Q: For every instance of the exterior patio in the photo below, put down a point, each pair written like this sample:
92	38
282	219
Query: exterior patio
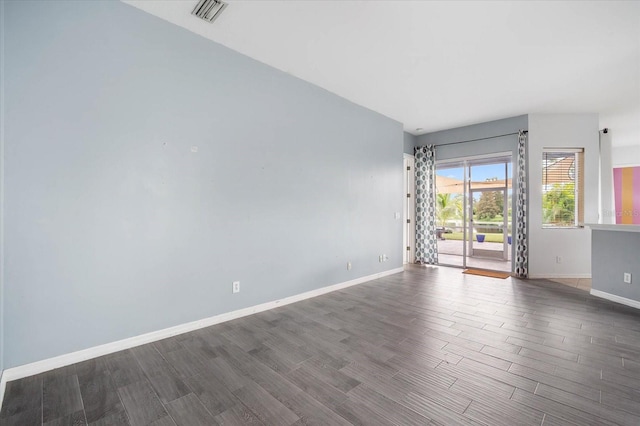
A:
486	255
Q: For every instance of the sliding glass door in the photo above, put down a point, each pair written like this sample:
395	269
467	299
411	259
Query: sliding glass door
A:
473	209
450	213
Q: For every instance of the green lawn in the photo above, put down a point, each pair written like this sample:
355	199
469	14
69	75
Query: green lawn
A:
490	238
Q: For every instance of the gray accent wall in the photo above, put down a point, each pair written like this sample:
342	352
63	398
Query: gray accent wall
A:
483	138
612	254
409	143
480	139
146	168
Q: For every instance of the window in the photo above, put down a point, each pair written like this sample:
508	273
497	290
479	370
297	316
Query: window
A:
562	188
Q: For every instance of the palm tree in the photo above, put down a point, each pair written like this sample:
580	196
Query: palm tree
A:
448	206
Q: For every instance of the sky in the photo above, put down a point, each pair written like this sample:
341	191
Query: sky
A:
478	173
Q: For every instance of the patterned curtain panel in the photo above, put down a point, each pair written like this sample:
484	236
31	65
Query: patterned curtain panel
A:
522	251
426	243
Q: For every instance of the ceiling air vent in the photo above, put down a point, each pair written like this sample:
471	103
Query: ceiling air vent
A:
209	10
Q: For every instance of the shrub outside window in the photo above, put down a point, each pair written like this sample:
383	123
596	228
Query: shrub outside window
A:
562	188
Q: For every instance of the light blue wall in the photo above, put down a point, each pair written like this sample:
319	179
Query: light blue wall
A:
114	227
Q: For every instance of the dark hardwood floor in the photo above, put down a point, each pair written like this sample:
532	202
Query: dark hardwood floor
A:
427	346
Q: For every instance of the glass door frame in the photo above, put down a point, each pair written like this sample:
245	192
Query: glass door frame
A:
467	229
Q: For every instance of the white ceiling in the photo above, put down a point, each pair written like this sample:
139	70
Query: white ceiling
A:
436	65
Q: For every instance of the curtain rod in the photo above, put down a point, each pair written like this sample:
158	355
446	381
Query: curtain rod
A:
480	139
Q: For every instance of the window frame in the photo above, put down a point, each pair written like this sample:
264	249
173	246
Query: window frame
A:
578	206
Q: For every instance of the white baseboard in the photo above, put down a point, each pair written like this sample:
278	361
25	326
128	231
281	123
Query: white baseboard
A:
96	351
559	276
614	298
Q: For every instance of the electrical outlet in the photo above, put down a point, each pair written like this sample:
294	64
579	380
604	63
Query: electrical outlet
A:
385	257
627	278
348	266
236	287
558	259
380	258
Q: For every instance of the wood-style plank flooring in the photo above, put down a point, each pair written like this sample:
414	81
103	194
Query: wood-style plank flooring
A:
426	346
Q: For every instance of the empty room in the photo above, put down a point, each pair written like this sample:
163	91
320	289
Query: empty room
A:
319	212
